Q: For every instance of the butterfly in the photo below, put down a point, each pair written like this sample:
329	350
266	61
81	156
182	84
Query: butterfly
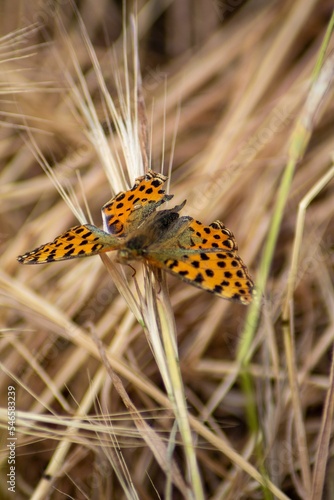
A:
203	256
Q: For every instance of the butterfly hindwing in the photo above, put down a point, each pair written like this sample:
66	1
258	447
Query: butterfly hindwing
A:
79	241
206	257
222	273
209	237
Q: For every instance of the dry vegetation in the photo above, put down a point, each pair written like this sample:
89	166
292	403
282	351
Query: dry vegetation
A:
109	418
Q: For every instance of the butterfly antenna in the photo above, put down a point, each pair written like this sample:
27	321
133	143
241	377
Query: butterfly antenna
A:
140	111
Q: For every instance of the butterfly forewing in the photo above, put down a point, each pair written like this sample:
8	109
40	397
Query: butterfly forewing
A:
79	241
129	209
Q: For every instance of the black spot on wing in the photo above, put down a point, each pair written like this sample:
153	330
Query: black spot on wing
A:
69	252
199	278
156	183
96	247
171	263
120	197
114	227
88	233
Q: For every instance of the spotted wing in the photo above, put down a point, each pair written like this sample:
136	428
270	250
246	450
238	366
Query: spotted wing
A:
206	257
79	241
128	210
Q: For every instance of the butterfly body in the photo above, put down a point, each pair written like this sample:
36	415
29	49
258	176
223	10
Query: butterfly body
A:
203	256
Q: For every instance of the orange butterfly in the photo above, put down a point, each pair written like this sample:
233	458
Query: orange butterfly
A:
203	256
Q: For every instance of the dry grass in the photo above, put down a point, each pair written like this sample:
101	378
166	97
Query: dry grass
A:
108	404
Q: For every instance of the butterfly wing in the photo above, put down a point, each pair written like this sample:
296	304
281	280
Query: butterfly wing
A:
121	215
128	210
79	241
206	257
